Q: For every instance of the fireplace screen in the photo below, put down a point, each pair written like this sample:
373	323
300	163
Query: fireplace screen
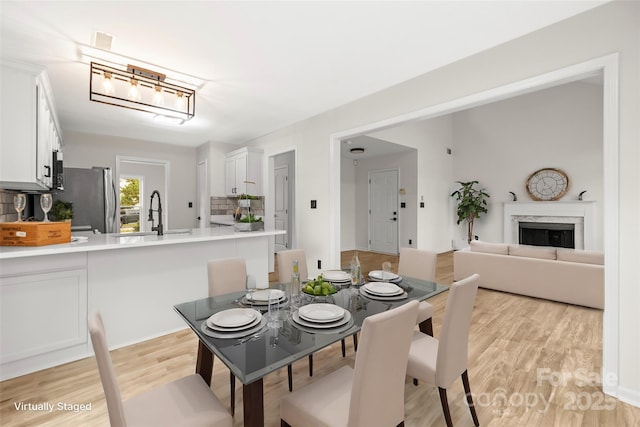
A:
547	234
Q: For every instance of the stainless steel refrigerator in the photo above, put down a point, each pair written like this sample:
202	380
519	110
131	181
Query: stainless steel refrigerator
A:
93	195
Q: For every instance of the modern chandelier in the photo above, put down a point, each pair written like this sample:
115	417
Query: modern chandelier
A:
143	90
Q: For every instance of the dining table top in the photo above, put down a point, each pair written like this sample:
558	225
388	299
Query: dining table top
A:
272	347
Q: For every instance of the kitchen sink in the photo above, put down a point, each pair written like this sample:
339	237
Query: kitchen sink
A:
152	233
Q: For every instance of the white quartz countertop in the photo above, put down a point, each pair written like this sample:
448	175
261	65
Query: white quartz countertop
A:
87	241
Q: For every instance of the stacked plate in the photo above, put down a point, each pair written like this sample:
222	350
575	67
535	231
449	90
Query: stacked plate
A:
322	317
337	277
233	323
384	276
382	291
261	297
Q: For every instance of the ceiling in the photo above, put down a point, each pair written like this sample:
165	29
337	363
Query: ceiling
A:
265	64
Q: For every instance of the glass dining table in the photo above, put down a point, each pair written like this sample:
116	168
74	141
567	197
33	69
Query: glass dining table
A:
250	358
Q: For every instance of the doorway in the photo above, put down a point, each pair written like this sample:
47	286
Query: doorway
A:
154	174
383	211
281	206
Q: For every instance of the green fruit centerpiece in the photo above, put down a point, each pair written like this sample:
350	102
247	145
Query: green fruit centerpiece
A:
319	288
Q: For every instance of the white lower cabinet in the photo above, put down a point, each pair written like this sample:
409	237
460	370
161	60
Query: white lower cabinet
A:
43	312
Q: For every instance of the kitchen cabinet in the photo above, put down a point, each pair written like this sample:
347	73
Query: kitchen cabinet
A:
243	166
43	312
30	131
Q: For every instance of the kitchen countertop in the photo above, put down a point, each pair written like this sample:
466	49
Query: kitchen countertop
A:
221	220
100	242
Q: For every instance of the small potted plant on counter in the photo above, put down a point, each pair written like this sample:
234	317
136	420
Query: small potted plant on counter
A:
62	211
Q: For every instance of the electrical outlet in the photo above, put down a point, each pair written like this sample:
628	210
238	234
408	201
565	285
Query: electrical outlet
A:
422	204
190	204
403	205
409	241
319	265
313	204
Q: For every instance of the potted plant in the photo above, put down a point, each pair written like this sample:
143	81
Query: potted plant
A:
471	204
62	211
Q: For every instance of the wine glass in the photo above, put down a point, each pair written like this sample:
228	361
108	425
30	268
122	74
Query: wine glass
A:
19	203
45	203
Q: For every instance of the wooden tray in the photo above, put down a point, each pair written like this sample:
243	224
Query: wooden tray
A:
34	233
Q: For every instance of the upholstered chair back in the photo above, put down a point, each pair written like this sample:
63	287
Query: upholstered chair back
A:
285	264
107	373
226	275
454	335
377	394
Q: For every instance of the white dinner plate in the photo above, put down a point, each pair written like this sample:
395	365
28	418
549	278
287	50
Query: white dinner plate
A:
215	327
382	288
233	317
366	294
336	276
317	331
236	334
384	276
263	295
297	319
321	312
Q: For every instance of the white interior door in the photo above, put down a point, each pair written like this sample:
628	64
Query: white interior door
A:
383	211
282	206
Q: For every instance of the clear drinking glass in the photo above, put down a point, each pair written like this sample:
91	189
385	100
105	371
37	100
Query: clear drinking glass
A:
45	203
386	268
274	310
295	289
19	203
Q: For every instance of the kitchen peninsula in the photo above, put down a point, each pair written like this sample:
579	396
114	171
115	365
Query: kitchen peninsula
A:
47	291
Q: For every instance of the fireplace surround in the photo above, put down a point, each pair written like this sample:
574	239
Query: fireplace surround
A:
578	215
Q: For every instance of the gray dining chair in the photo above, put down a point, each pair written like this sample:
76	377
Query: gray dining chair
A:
421	264
371	394
440	362
187	401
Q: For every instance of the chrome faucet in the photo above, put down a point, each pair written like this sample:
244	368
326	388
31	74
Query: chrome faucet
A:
159	228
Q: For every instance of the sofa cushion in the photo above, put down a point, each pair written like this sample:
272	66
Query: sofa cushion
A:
540	252
490	248
585	257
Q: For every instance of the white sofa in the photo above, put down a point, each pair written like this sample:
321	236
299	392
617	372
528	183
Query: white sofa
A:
565	275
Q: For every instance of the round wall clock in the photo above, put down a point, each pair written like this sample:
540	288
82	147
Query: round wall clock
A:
547	184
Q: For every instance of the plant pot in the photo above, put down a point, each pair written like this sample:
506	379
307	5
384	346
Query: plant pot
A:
249	226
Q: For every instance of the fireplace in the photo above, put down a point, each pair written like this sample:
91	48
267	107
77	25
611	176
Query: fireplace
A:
557	218
560	235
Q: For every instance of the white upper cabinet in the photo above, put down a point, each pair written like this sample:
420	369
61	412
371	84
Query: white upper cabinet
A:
243	167
30	132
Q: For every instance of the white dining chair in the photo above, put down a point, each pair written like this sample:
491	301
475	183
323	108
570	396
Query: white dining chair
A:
421	264
372	393
285	261
187	401
440	362
226	276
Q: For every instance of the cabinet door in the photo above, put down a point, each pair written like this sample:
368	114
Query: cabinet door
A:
44	138
241	174
230	177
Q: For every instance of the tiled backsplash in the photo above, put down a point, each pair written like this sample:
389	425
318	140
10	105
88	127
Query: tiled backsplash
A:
227	205
7	211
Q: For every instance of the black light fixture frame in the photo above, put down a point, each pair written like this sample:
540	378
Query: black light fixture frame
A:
144	78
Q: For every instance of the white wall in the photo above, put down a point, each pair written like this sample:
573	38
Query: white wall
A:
613	27
502	143
434	172
83	150
214	153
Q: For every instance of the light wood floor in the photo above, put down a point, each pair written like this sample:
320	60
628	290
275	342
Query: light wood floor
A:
512	339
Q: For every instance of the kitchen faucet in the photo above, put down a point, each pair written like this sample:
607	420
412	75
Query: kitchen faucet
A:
159	228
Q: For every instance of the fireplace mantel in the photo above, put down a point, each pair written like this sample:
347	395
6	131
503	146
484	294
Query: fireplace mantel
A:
580	213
